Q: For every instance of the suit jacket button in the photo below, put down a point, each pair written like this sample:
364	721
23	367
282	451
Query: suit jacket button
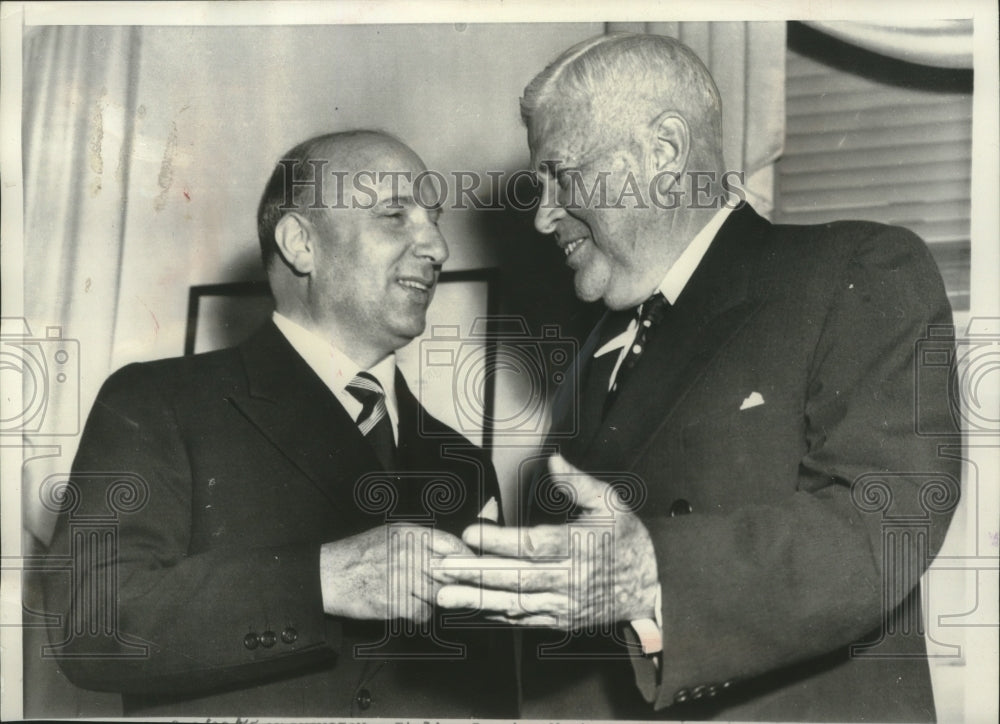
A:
713	690
680	507
250	641
289	635
268	639
681	696
364	699
699	692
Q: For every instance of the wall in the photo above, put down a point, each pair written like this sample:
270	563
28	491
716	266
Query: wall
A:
217	106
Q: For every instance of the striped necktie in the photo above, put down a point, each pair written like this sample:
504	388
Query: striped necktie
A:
374	421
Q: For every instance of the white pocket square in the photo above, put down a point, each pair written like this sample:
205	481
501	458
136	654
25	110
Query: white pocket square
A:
754	399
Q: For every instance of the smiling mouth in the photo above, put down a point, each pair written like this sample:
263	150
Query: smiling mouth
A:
416	284
570	246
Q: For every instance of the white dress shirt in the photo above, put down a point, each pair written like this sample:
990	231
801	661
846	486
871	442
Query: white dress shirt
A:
337	370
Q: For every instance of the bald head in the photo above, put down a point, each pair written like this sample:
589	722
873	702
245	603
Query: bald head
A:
291	186
623	81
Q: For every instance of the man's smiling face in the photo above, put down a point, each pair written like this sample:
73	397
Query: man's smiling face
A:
604	233
378	259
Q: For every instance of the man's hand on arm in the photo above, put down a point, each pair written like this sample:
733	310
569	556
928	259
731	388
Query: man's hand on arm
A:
558	576
384	573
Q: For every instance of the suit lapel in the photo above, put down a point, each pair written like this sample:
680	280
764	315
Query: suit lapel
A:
412	451
715	304
430	453
294	410
578	402
597	372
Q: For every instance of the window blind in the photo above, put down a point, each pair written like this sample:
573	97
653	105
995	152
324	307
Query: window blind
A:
892	147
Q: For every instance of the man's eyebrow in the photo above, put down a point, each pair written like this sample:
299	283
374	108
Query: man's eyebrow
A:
395	202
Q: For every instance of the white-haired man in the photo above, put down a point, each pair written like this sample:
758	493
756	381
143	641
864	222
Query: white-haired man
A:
750	396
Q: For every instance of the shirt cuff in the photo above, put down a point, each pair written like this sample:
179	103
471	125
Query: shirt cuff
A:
649	631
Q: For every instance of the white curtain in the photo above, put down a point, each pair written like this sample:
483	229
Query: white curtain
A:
940	43
747	60
78	119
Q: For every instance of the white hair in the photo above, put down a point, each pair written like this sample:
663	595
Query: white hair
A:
622	78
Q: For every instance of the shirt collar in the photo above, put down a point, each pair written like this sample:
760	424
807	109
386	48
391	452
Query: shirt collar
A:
333	366
680	271
677	275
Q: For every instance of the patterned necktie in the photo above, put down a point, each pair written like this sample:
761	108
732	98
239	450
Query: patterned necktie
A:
374	421
648	315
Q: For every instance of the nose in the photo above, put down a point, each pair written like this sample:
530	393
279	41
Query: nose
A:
549	211
431	245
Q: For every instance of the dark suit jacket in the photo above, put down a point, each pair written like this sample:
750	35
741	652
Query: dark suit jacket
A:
233	468
789	530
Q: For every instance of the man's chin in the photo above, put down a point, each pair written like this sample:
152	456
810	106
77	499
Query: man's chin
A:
407	330
587	290
625	295
612	299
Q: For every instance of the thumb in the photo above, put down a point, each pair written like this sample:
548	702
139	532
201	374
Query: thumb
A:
588	492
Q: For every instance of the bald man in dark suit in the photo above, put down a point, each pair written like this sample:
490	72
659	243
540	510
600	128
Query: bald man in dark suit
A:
284	504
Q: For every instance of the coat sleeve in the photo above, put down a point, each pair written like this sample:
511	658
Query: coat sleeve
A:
139	614
767	585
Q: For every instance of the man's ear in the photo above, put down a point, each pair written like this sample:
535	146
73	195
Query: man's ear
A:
295	237
671	145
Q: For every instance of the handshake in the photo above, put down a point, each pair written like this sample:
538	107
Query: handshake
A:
593	571
596	570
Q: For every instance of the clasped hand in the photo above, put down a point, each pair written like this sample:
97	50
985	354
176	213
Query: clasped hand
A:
384	573
598	569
